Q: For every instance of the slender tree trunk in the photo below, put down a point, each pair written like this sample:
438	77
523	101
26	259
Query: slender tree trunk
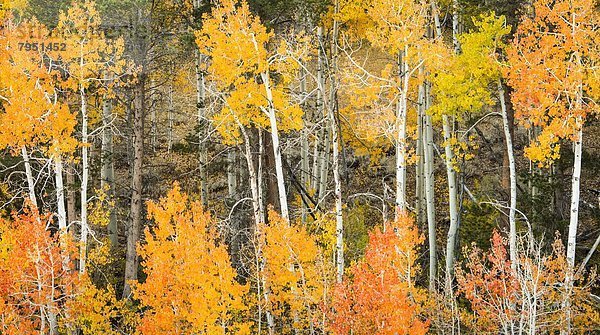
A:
512	238
259	223
254	179
573	222
260	174
60	193
430	197
317	163
276	148
401	134
62	213
29	176
453	204
420	202
84	180
270	176
170	108
70	193
339	230
305	148
107	172
133	231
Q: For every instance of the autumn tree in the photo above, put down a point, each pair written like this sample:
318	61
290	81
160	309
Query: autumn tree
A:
251	94
34	281
89	56
526	296
380	295
460	86
32	115
198	293
296	273
553	65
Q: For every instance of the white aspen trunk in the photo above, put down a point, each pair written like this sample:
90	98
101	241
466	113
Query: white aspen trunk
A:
512	238
200	104
276	149
62	212
60	194
231	177
258	220
259	183
573	222
170	117
29	176
452	202
107	172
254	180
84	180
455	26
419	179
339	219
401	135
430	200
324	161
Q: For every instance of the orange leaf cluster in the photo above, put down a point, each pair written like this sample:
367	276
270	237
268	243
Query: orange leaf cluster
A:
380	296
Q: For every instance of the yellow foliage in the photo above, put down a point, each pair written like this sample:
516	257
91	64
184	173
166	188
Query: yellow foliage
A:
31	115
297	272
238	46
462	83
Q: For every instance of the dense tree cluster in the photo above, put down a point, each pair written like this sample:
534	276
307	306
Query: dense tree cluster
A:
299	167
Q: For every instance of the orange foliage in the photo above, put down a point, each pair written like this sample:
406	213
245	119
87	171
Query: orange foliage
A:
33	283
190	286
528	297
553	70
379	296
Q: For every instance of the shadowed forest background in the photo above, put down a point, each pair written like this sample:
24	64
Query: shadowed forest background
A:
299	167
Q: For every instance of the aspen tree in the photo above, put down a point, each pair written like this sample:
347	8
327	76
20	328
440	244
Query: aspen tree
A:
87	53
553	60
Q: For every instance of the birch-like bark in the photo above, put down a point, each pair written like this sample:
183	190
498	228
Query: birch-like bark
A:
70	193
29	176
259	223
512	238
452	202
276	148
170	109
339	230
84	180
573	222
430	200
62	213
420	203
60	194
401	134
